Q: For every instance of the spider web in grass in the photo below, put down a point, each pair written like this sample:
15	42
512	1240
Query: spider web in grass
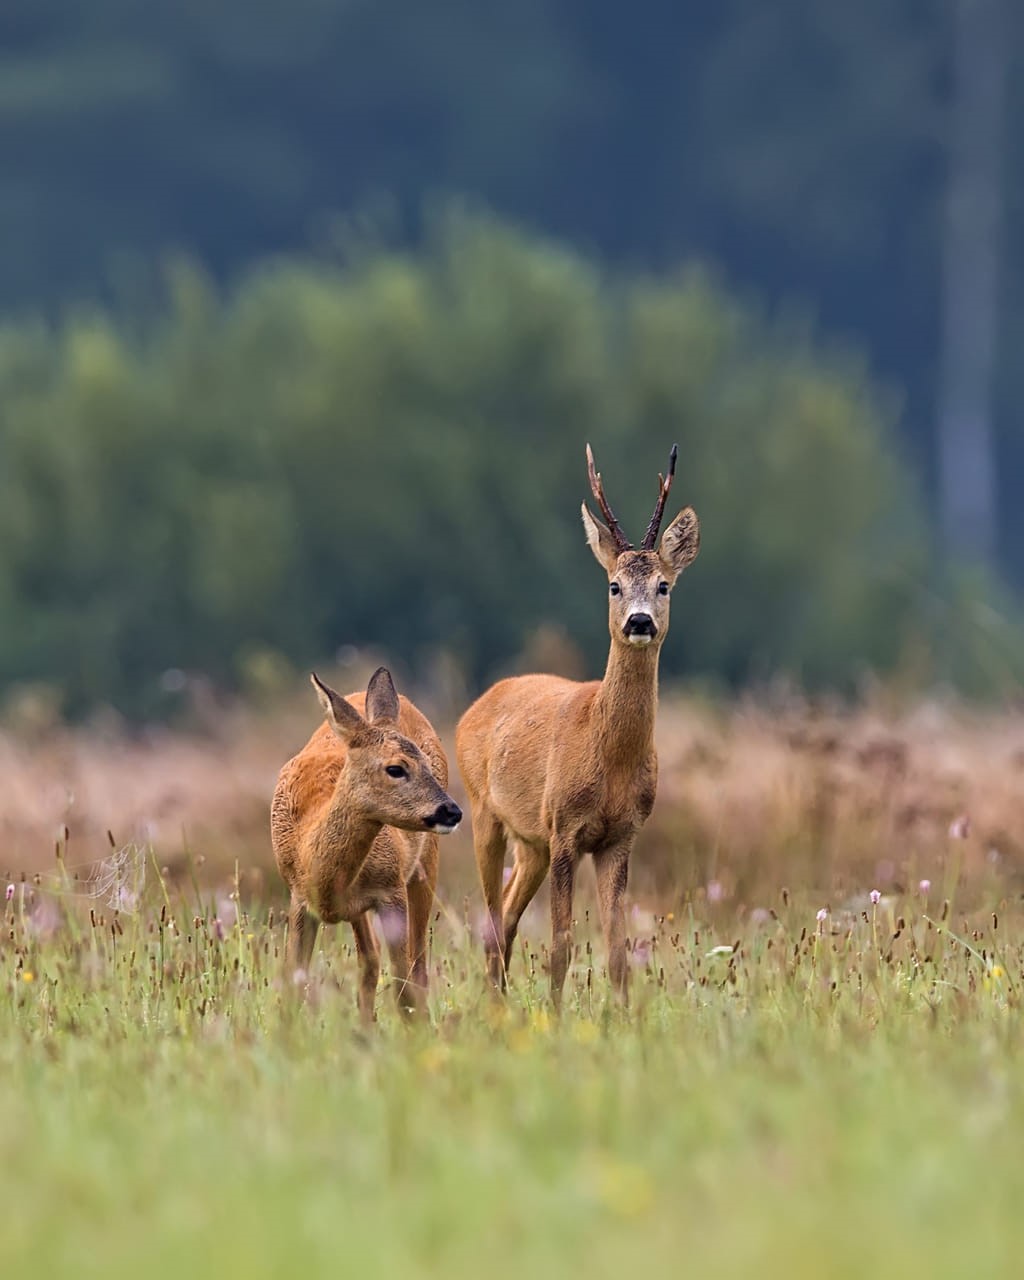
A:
119	879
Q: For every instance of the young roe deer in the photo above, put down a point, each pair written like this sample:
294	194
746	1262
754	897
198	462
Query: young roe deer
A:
355	822
559	769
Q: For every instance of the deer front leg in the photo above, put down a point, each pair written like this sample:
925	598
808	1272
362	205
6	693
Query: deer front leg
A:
302	927
563	880
369	965
420	893
531	867
489	844
394	920
612	868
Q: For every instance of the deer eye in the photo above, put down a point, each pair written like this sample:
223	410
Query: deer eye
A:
396	771
615	589
662	588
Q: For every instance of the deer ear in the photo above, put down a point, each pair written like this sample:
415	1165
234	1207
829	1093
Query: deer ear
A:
681	541
381	698
342	716
601	541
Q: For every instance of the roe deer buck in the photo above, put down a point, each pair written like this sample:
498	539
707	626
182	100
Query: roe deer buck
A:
354	823
560	769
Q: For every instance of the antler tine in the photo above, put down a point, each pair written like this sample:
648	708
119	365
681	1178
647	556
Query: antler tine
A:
664	484
597	488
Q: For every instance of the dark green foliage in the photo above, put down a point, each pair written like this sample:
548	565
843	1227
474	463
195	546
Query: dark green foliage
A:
389	450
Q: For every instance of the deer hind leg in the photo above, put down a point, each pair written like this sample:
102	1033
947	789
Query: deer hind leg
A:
369	965
612	869
394	921
420	892
531	867
302	927
489	843
563	882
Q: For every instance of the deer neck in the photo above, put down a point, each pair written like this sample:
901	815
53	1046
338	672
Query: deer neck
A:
343	840
626	704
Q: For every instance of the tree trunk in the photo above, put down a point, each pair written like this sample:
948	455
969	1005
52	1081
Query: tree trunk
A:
967	480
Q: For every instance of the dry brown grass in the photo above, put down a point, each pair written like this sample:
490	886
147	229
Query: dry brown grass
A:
751	798
840	802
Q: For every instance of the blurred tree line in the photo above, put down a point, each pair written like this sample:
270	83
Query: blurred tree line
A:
812	148
385	448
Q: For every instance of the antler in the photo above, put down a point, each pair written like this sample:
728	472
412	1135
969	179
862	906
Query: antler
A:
664	484
622	543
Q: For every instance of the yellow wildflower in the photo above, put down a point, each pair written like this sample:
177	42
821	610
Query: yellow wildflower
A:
540	1021
433	1058
585	1032
521	1040
626	1189
994	978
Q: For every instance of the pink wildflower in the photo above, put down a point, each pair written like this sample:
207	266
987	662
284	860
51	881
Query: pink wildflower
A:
641	953
925	886
876	897
10	892
822	915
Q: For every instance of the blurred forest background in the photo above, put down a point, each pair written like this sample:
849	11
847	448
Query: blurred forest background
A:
310	307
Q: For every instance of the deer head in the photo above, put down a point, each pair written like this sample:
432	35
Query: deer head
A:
385	776
640	580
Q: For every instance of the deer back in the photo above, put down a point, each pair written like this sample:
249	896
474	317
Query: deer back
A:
526	744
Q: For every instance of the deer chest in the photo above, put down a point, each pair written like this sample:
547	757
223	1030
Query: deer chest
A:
616	811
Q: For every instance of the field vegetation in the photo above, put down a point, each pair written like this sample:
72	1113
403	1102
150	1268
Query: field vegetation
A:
811	1078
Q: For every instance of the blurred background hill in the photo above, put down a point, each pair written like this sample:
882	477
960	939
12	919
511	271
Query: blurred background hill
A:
309	308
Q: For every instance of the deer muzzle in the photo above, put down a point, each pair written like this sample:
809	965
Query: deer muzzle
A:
639	628
445	818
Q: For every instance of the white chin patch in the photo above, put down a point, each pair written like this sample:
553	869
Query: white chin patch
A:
444	831
640	641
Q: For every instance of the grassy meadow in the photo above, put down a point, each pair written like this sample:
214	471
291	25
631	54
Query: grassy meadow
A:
807	1082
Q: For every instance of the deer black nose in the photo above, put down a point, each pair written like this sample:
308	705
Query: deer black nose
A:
446	816
640	624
